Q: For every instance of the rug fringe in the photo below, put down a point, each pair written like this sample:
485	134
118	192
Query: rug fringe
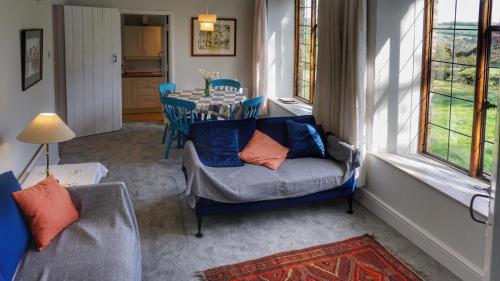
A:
201	275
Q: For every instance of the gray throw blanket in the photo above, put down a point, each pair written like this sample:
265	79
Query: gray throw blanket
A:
102	245
294	178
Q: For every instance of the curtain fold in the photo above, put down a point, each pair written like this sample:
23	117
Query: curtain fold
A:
340	95
260	53
339	100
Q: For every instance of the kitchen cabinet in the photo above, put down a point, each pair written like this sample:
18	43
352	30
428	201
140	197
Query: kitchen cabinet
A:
129	93
140	95
142	41
132	41
151	41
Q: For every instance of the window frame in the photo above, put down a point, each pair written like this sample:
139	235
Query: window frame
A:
480	92
313	51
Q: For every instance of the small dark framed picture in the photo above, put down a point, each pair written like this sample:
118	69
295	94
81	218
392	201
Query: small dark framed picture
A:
31	56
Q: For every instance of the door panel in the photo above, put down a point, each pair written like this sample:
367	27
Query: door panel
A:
93	70
132	40
151	41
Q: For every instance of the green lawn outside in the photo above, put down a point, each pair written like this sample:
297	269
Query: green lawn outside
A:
458	115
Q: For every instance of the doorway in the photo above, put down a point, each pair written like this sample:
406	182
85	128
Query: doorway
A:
145	64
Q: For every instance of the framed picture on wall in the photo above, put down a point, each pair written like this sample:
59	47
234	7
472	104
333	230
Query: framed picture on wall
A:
221	42
31	56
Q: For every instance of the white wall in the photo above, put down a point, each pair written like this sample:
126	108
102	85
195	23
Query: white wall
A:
185	68
281	45
17	108
438	224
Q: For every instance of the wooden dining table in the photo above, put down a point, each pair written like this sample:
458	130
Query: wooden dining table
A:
220	103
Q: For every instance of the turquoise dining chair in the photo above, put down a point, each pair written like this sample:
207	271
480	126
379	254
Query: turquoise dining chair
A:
226	85
181	114
249	109
165	89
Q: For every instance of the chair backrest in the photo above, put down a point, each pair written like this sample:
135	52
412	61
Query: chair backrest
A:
226	85
250	108
167	88
179	112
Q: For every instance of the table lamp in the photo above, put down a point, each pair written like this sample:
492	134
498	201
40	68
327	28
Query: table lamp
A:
45	129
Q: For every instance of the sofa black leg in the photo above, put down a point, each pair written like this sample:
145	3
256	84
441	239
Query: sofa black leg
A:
349	201
199	234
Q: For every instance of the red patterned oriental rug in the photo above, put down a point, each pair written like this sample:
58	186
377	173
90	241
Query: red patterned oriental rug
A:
356	259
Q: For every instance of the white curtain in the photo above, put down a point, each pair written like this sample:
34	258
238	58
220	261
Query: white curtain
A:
260	52
340	97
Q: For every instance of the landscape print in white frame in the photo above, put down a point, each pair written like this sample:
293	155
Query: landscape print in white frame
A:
220	42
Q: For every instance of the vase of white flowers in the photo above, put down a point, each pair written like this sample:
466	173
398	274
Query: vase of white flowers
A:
208	77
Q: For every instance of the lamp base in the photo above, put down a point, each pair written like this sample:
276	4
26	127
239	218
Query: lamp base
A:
47	158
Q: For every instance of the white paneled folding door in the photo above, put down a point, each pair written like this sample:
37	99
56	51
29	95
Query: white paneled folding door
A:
93	69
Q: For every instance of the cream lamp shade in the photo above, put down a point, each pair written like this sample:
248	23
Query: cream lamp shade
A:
46	128
207	21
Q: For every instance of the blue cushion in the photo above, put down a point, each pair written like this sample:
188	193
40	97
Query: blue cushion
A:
217	147
276	127
14	235
304	141
246	128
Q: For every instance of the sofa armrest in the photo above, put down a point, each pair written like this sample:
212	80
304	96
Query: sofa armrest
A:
95	198
190	157
342	151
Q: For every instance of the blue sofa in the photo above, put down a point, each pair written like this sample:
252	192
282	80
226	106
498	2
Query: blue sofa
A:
213	191
102	245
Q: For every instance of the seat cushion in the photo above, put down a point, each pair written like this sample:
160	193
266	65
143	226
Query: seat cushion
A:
245	129
48	209
304	141
276	127
295	177
217	147
263	150
102	245
14	234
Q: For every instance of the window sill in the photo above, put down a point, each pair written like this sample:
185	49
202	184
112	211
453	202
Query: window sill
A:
298	108
446	180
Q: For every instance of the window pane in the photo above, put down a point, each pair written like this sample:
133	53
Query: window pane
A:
465	47
495	15
460	147
306	91
305	35
467	14
437	141
491	122
488	154
493	94
439	110
442	45
495	50
441	78
444	13
464	81
301	34
462	113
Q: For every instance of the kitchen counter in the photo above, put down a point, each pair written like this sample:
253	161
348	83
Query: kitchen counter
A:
141	74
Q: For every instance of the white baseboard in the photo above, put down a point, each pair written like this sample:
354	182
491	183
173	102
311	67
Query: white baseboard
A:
434	247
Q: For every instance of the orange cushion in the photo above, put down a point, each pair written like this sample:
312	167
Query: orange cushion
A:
263	150
48	209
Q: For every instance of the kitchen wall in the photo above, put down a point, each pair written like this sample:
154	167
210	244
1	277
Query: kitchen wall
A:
18	108
184	67
435	222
